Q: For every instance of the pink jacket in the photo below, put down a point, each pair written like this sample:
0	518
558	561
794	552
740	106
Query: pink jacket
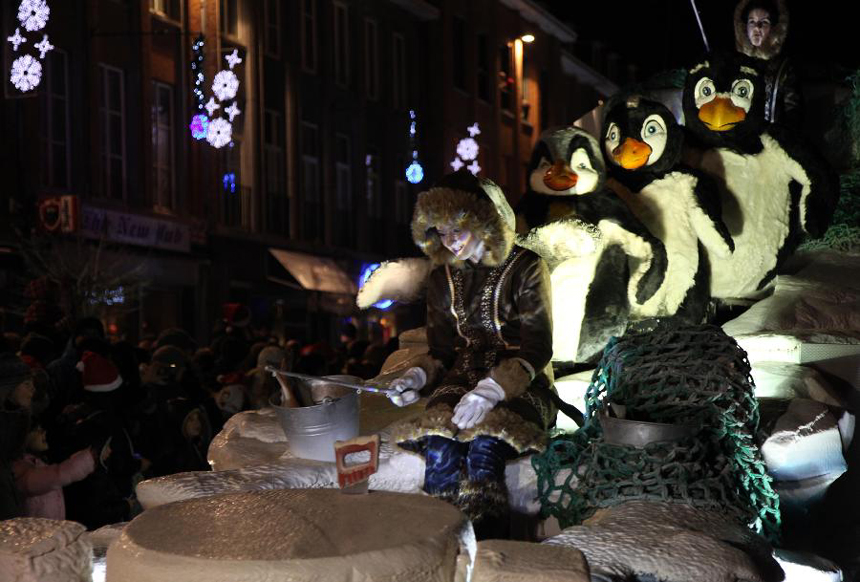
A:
41	484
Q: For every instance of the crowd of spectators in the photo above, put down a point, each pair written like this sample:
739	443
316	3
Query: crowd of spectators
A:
84	419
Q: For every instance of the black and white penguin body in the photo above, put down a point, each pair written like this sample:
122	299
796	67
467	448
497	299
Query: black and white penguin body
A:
597	250
680	206
774	189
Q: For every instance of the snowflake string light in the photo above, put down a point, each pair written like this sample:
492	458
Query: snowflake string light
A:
199	126
225	85
220	133
16	39
211	106
43	47
233	59
414	173
232	111
26	73
33	14
467	149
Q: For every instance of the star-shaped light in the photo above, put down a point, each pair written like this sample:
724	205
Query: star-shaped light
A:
473	129
474	167
457	164
16	39
43	47
232	111
233	58
211	106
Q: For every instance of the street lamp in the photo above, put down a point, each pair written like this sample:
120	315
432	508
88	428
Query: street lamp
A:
527	38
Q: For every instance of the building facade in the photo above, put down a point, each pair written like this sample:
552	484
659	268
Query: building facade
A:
315	169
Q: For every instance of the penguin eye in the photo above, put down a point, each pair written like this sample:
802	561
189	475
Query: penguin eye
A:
654	134
704	91
579	160
543	163
613	137
742	93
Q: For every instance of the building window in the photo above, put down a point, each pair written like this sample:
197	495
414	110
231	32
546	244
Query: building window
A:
55	128
398	53
235	198
459	50
112	134
230	17
506	78
543	99
343	219
277	205
310	182
402	202
374	194
272	32
167	8
341	44
371	59
162	146
482	70
309	35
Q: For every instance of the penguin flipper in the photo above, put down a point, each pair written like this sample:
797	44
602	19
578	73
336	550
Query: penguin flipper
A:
561	240
818	202
710	221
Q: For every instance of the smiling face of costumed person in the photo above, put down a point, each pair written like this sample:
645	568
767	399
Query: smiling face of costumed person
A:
462	242
758	26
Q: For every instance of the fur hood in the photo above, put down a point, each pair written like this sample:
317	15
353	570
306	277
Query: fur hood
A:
778	31
468	202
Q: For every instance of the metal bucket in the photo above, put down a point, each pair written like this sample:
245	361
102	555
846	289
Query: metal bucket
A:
312	430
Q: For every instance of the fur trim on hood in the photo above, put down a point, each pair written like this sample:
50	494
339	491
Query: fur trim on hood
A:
468	202
778	31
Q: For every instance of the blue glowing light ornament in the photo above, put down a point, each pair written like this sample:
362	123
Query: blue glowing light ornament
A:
414	173
199	126
365	275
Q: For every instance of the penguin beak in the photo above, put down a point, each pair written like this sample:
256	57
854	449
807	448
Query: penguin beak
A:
560	177
631	154
721	114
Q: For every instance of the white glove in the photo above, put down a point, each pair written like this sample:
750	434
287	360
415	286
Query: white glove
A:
475	404
407	386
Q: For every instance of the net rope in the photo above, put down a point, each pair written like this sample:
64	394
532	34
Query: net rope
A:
673	375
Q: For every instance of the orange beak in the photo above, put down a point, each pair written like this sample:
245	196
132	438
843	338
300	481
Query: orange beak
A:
721	114
631	154
560	177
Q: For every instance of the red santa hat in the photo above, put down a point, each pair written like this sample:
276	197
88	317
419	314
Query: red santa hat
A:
98	374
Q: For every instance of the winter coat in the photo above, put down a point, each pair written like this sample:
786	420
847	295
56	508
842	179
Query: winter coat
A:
782	89
41	484
487	319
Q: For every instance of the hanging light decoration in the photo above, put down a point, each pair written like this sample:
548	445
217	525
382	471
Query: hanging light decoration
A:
26	71
467	150
415	172
199	125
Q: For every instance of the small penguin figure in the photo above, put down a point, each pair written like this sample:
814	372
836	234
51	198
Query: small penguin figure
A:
597	250
774	189
680	206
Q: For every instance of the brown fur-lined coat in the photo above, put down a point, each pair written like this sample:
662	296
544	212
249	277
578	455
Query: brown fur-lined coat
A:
487	319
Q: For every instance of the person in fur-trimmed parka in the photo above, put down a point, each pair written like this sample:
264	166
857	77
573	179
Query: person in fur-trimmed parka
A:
489	334
761	28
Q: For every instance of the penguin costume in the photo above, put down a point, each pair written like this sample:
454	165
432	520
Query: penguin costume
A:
774	189
595	247
680	206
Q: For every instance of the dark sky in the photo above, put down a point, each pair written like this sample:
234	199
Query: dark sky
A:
662	34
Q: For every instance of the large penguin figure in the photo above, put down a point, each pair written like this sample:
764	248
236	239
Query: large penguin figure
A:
774	189
680	206
597	250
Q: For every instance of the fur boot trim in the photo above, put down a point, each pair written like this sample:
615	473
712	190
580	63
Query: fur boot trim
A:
465	202
403	280
500	422
772	45
513	376
508	426
482	499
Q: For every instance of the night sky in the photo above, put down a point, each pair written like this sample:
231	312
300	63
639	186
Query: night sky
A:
663	34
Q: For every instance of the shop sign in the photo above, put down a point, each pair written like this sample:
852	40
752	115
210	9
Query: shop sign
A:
134	229
58	214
